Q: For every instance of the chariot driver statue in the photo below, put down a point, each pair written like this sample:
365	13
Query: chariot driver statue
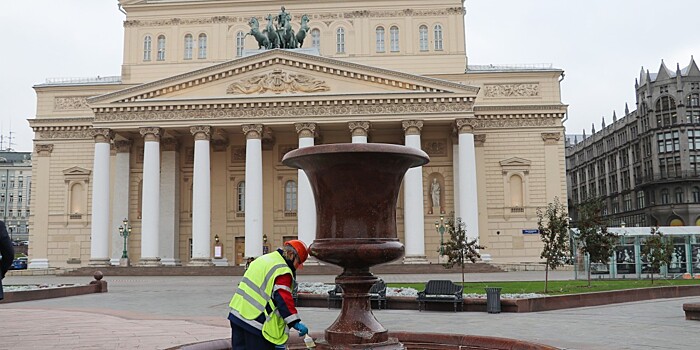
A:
282	19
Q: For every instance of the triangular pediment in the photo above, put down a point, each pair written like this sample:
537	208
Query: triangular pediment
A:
76	173
515	162
275	74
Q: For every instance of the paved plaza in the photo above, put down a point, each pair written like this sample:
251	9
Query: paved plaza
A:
160	312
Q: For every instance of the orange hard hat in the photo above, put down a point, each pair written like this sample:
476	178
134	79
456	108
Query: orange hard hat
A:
300	247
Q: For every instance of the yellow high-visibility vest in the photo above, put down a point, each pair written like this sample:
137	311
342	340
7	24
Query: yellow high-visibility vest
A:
254	297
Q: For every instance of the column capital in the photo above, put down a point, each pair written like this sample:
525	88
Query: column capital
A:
102	135
123	146
306	129
43	150
359	128
551	138
201	132
479	140
151	133
464	126
252	131
168	144
412	127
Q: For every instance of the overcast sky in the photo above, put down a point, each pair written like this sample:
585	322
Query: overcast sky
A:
600	44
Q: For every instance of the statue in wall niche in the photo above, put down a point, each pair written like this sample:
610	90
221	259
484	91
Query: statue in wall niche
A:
435	193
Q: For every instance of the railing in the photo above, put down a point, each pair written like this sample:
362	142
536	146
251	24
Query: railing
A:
498	67
517	210
688	174
88	80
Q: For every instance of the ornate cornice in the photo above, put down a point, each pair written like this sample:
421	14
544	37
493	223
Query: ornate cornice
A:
151	133
359	128
201	132
303	110
551	138
306	129
70	103
561	108
123	146
278	81
512	90
465	125
43	150
479	140
63	132
512	121
102	135
252	131
412	127
318	16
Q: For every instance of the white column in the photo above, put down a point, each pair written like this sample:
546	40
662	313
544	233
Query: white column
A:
455	175
39	234
414	217
99	229
201	198
169	203
469	202
306	206
253	190
150	202
359	131
120	202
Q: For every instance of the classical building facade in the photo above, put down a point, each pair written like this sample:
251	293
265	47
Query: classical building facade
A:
645	165
187	143
15	192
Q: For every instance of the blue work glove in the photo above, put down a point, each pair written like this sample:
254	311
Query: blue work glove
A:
301	328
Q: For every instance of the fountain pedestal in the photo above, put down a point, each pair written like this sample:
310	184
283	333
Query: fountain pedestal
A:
356	187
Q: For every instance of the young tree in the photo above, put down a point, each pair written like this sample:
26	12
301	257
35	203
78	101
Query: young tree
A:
459	248
553	225
657	250
594	238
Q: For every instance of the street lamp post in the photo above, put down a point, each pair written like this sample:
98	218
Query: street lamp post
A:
125	231
12	228
440	228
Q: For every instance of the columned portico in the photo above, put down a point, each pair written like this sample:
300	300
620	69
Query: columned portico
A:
201	198
359	131
414	217
306	207
467	184
253	190
99	234
150	202
120	203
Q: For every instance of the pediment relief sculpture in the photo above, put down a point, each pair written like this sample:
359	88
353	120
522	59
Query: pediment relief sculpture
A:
278	82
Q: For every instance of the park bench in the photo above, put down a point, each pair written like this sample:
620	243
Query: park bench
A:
376	293
441	291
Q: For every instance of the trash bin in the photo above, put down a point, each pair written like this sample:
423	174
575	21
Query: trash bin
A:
493	300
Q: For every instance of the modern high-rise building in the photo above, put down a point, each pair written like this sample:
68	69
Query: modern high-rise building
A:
646	165
15	192
187	142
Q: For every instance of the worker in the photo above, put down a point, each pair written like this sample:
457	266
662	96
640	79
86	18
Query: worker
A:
262	309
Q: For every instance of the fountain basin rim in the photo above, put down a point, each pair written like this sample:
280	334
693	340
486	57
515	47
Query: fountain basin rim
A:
341	148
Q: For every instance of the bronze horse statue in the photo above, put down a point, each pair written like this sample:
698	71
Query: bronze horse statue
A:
272	34
301	35
262	39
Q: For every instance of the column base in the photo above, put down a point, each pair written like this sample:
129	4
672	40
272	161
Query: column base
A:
220	262
149	262
99	262
415	259
170	262
200	262
114	261
38	264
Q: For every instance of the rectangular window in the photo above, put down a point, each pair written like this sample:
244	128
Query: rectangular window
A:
380	39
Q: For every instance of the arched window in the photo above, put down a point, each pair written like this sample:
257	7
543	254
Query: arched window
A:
678	195
677	222
161	48
379	33
516	191
696	194
423	38
316	38
290	196
340	40
437	31
147	48
240	43
394	38
666	111
664	196
76	199
188	46
241	197
202	52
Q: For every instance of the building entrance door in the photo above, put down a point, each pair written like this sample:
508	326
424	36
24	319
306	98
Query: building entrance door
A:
240	251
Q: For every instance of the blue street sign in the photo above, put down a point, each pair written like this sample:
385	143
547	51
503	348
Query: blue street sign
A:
531	232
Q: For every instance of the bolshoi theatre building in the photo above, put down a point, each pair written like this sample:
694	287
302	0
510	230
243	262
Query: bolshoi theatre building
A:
186	144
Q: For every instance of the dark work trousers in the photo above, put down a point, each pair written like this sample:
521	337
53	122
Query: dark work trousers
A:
244	340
